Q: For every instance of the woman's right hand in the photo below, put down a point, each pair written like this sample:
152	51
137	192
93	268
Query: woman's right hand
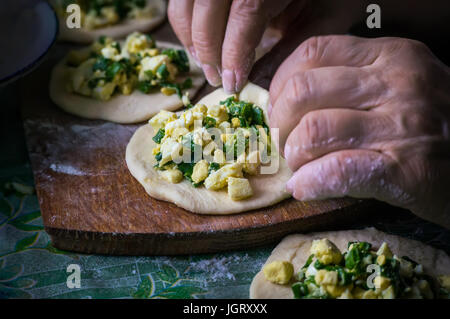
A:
222	35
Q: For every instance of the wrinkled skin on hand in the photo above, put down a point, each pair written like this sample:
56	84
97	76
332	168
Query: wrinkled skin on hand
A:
367	118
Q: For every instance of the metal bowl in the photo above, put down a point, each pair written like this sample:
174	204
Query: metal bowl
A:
28	29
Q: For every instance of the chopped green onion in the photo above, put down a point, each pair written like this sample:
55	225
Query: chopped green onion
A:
159	136
300	290
162	72
112	70
209	122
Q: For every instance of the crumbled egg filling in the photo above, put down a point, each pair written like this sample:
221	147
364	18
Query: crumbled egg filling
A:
102	13
358	273
107	68
216	146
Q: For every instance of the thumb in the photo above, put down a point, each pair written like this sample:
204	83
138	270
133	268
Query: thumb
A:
355	173
246	24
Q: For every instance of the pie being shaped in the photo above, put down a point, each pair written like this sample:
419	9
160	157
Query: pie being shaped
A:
215	157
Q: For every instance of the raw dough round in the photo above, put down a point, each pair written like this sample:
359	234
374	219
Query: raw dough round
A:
295	248
115	31
267	189
133	108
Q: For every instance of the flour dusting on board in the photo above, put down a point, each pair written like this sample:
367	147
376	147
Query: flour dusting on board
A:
66	169
59	146
217	268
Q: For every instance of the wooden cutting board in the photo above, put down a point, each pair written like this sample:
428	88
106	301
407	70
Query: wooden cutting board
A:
90	203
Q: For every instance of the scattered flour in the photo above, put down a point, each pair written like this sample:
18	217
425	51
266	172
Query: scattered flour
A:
66	169
217	268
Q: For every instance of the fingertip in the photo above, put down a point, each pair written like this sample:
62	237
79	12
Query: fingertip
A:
290	185
241	80
212	74
296	189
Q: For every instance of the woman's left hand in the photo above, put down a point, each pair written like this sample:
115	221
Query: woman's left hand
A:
367	118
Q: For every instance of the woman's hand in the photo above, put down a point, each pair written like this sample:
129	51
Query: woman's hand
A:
366	118
222	35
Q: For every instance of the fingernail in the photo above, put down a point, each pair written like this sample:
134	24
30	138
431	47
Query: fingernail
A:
211	74
229	81
193	53
240	81
242	72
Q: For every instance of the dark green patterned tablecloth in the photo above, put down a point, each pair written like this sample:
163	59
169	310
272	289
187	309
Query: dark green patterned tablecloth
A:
31	268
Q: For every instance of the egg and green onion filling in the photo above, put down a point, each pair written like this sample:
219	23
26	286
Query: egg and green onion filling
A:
108	68
217	146
101	13
358	273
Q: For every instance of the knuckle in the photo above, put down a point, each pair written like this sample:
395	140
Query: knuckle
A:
237	57
207	49
204	3
246	8
303	87
408	48
309	49
201	39
421	122
314	47
413	45
174	13
340	166
310	131
407	83
299	91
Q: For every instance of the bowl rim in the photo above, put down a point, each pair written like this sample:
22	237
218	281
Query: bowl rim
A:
27	68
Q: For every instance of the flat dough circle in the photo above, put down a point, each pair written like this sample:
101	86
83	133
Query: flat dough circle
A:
115	31
134	108
267	189
295	248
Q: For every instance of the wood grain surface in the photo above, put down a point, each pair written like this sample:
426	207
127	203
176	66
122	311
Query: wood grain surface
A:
90	203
